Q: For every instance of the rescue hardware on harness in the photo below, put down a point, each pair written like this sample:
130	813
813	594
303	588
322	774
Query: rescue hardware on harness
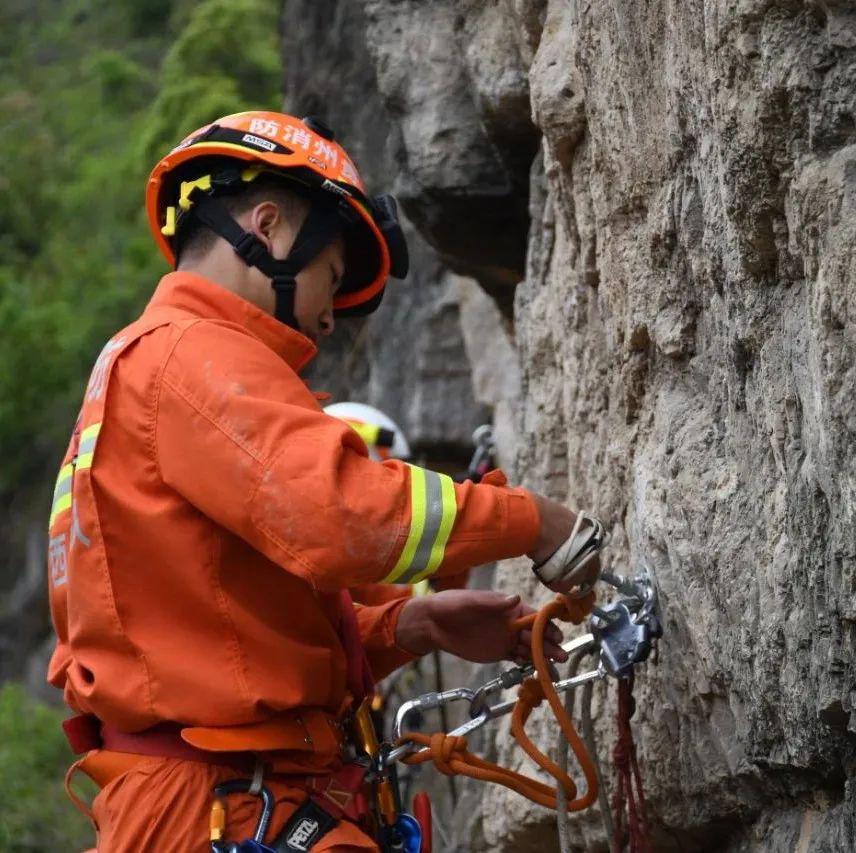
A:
621	633
225	157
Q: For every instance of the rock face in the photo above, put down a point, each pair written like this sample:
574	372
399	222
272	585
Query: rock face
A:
409	358
666	194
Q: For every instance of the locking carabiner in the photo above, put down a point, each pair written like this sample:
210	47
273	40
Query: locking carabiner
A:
218	816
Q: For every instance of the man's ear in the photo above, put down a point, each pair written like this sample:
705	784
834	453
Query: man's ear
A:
264	220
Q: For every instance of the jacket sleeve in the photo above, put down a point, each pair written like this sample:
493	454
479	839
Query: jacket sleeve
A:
377	607
242	439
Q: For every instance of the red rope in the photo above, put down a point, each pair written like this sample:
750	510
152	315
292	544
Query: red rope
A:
629	797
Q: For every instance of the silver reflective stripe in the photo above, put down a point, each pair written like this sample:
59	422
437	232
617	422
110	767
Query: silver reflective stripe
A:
87	444
433	509
433	520
63	488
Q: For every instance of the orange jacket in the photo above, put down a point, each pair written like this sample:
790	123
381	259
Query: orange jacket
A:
208	513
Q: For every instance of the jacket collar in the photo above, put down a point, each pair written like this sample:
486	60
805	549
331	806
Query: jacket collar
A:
204	298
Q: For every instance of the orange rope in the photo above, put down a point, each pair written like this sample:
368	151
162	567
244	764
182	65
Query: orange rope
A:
452	757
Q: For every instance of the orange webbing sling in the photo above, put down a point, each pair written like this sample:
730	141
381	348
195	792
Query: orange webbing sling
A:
451	756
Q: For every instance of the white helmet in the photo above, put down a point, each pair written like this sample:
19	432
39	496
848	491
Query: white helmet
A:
380	432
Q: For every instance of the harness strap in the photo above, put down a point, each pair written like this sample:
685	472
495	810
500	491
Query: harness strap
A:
164	741
86	733
305	828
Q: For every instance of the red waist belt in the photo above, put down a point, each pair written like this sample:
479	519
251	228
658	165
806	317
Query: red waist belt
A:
86	732
339	792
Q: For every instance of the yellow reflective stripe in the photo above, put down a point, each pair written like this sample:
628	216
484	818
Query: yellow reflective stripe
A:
367	432
433	514
60	505
449	514
64	476
83	461
86	448
90	432
417	524
232	145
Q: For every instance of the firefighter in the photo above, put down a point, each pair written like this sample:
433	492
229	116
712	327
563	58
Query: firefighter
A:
209	519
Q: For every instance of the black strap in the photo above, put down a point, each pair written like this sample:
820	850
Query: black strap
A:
321	226
308	825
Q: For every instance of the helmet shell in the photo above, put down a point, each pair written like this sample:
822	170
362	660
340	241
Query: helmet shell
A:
282	143
361	413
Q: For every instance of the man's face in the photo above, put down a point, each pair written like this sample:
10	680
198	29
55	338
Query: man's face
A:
317	282
316	286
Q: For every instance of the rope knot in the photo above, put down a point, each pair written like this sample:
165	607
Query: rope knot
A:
444	749
576	609
531	693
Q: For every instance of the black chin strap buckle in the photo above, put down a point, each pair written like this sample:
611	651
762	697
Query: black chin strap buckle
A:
250	249
284	283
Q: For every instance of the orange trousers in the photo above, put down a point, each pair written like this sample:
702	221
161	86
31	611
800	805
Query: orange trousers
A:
164	804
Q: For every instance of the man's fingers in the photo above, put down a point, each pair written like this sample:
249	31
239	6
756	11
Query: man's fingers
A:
553	634
522	655
555	652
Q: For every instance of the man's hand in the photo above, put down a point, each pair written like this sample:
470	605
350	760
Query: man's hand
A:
472	624
557	522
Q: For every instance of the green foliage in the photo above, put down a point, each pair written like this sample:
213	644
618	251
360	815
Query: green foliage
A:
225	60
36	814
91	95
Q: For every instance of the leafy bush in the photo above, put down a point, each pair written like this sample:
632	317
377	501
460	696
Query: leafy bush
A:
224	60
91	95
36	813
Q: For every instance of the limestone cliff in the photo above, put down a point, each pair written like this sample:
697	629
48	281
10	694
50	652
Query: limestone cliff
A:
661	197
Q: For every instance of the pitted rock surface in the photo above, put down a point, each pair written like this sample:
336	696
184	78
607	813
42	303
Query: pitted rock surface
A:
678	249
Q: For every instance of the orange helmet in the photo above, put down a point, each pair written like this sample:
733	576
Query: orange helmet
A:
224	157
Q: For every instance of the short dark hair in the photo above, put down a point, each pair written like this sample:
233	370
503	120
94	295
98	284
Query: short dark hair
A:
196	240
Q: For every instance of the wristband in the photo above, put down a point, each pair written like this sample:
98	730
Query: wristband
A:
577	550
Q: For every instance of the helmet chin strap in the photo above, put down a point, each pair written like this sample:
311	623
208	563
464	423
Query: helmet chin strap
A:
321	226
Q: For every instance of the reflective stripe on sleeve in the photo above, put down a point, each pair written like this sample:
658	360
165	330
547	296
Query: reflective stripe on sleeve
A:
432	516
86	449
62	492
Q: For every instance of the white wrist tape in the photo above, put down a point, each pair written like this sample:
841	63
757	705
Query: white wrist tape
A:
585	541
